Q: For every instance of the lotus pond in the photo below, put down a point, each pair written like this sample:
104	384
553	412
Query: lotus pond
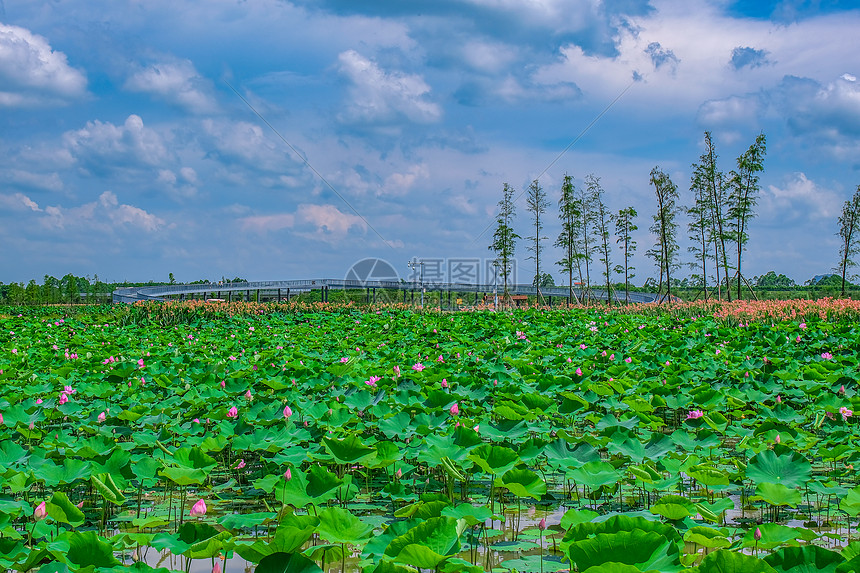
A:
201	437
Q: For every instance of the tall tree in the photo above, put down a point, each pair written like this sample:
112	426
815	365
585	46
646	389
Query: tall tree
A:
665	250
714	181
600	229
569	214
624	228
536	204
700	226
744	185
504	238
583	235
849	233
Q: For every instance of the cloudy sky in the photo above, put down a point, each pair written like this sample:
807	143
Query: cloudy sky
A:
290	139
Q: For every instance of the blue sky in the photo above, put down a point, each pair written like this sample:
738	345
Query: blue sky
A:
125	152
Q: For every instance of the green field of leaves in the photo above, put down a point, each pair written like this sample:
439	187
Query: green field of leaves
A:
710	438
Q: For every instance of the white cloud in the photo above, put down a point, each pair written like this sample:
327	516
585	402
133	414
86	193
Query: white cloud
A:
42	181
378	96
103	146
106	214
319	222
798	198
177	82
399	184
32	73
18	202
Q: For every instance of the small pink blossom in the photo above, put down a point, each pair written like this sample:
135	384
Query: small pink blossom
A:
287	412
397	371
344	359
628	360
444	383
826	355
248	394
846	413
40	512
288	475
101	417
542	524
455	409
241	464
778	439
233	412
695	414
418	367
198	509
579	371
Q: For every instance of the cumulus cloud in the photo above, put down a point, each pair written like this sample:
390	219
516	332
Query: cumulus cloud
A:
746	57
799	198
32	180
175	81
102	146
319	222
399	184
18	202
830	110
106	214
32	73
661	56
377	96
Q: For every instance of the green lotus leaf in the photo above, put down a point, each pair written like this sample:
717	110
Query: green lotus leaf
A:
340	526
725	561
673	507
806	559
524	483
644	549
64	511
494	460
426	545
89	550
282	562
349	450
777	494
789	469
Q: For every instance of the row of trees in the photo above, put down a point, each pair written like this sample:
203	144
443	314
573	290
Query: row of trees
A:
719	216
586	224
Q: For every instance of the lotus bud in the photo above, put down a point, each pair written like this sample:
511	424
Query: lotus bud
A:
542	524
198	509
40	512
757	534
288	475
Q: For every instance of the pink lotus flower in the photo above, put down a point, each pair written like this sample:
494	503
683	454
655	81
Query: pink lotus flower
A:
80	505
628	360
398	474
217	567
842	389
846	413
778	439
223	383
140	362
757	534
397	371
1	417
802	326
372	381
102	417
778	399
198	509
287	412
444	383
233	412
241	464
542	524
695	414
440	359
344	359
578	371
38	400
288	475
248	394
826	355
418	367
455	409
40	512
